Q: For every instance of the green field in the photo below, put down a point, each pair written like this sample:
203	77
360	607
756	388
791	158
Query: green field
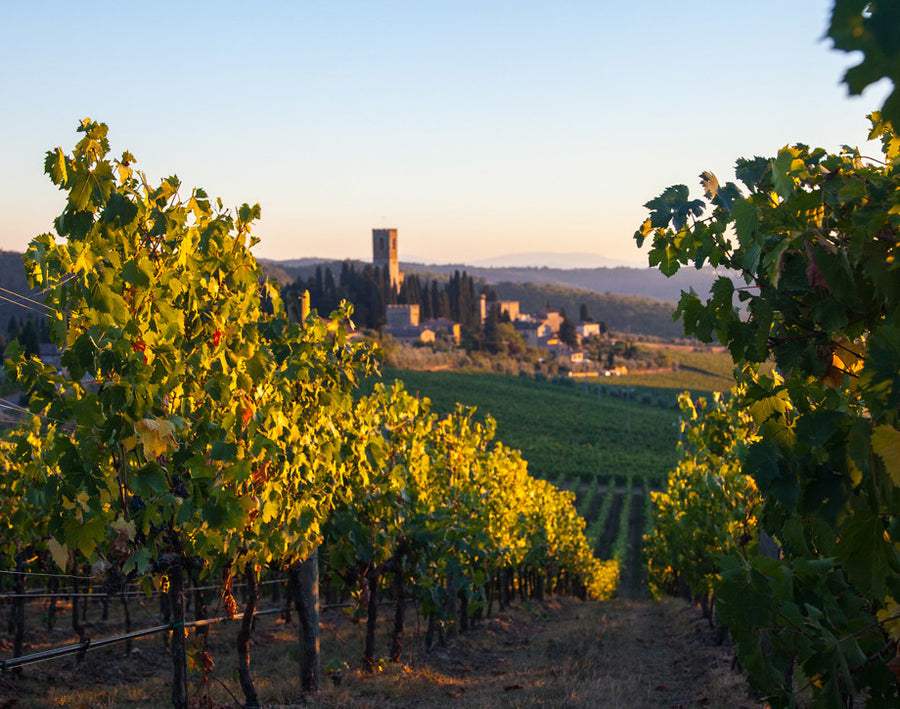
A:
699	371
561	429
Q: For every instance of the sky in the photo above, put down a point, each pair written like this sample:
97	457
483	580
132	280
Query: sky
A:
474	128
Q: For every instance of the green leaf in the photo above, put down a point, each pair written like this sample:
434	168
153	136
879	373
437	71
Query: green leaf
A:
771	474
816	428
106	300
782	172
135	273
91	188
270	510
765	408
80	191
673	206
120	207
84	536
666	258
140	560
746	222
149	480
886	444
880	377
866	551
762	463
223	450
752	172
869	28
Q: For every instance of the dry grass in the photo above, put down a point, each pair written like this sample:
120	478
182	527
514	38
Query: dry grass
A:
563	653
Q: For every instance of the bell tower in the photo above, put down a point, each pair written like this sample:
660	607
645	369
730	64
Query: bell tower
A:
384	253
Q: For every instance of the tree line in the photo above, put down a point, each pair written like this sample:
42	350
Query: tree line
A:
370	291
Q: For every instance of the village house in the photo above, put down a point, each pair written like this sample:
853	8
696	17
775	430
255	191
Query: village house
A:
563	352
587	329
398	317
402	323
412	335
538	329
510	308
444	328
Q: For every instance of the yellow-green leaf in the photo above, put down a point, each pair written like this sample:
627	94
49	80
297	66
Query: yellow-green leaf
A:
55	166
124	527
59	552
157	436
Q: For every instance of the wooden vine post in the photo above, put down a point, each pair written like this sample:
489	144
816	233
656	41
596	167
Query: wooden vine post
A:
19	607
179	640
304	583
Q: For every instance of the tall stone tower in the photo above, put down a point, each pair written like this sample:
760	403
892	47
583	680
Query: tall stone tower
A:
384	253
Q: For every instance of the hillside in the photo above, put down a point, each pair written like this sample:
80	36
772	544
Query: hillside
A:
12	277
562	430
621	313
621	280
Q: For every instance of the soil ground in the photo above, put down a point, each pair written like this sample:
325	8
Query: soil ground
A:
561	653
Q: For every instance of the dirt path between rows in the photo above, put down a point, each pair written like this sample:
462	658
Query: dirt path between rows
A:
565	653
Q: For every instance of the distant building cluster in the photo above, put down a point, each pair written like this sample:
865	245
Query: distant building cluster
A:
402	323
539	330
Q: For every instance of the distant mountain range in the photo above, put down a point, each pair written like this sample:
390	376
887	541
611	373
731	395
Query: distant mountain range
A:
546	259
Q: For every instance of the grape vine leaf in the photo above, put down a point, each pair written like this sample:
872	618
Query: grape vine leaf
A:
886	444
870	28
157	436
751	172
59	553
673	206
710	184
763	463
866	551
746	222
782	172
55	167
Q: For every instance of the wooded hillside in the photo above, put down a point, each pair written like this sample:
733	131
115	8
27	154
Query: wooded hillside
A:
12	277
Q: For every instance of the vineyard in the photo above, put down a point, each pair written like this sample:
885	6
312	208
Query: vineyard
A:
565	429
196	441
201	460
87	641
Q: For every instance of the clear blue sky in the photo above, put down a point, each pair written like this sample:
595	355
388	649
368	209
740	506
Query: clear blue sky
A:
475	128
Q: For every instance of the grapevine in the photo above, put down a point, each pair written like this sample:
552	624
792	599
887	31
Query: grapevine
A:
599	524
708	509
813	239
